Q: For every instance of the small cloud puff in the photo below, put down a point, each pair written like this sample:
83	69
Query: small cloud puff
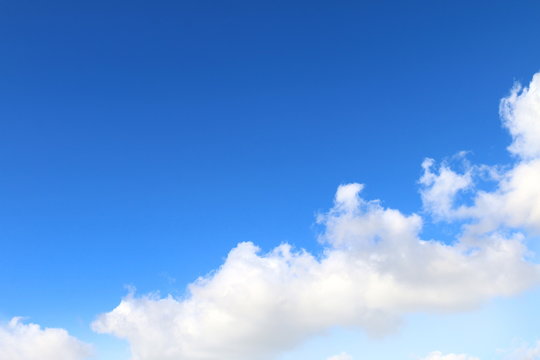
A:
19	341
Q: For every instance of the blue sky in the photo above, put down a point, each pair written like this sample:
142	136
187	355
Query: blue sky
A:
141	141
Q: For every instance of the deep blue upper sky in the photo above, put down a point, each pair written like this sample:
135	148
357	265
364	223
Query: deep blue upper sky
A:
140	141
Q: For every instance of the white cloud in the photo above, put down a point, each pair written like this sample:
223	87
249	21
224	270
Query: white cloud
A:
374	268
520	112
342	356
440	189
516	201
20	341
523	352
526	352
437	355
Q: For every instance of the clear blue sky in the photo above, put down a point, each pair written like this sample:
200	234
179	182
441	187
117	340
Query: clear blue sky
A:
141	140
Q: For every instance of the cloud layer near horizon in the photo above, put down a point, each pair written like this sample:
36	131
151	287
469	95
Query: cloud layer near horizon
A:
523	352
342	356
373	269
19	341
437	355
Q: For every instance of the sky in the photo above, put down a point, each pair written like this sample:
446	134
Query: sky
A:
269	180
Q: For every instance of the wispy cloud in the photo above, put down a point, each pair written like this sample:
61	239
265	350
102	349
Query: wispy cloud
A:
525	352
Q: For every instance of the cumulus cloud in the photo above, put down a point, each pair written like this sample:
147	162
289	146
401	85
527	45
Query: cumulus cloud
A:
440	188
437	355
342	356
374	266
520	112
19	341
515	203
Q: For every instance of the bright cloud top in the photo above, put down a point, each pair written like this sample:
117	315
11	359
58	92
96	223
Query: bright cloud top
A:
20	341
520	112
374	268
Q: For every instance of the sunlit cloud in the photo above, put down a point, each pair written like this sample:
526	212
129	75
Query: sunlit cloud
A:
374	266
20	341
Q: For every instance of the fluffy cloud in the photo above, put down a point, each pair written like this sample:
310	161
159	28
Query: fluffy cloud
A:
374	266
440	189
516	201
437	355
20	341
520	112
342	356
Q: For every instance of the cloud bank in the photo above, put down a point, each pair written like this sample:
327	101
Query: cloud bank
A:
374	266
20	341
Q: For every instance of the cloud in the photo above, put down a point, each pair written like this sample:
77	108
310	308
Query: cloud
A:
342	356
20	341
374	266
523	352
516	201
440	189
437	355
526	352
520	112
